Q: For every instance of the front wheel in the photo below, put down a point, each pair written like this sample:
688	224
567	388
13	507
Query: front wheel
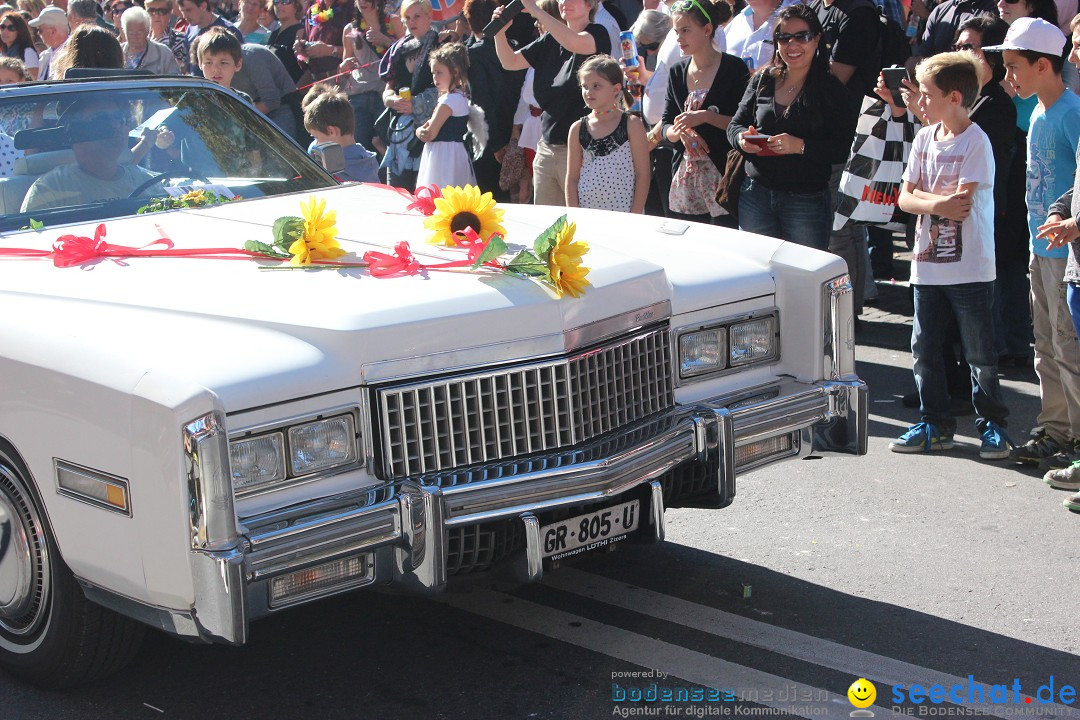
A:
50	634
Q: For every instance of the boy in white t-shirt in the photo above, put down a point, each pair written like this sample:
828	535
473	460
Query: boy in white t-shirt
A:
949	184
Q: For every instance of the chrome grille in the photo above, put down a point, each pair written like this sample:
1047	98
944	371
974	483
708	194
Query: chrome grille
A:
484	417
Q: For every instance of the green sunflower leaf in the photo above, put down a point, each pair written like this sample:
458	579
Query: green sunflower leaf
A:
546	240
287	230
526	263
256	246
494	248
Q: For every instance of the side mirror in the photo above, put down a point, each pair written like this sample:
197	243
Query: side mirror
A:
330	155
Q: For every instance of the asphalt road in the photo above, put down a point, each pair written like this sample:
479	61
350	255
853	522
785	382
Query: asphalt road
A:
906	570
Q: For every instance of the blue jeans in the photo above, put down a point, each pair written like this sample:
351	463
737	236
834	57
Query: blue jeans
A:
1012	311
367	107
972	305
803	218
1074	305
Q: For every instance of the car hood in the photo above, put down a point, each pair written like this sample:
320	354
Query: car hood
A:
172	311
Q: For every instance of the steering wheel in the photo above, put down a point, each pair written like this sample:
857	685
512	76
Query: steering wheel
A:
167	175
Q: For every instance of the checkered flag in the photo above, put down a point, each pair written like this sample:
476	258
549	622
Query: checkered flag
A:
870	185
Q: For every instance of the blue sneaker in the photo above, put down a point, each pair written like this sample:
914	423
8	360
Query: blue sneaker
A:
996	444
924	437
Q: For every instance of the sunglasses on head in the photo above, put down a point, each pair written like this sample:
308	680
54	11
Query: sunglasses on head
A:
800	37
687	5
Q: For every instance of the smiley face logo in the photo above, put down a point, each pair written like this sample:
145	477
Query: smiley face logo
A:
862	693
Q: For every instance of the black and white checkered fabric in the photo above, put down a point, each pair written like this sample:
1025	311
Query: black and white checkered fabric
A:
870	185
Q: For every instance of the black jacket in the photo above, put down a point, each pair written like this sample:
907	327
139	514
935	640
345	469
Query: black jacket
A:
724	95
820	117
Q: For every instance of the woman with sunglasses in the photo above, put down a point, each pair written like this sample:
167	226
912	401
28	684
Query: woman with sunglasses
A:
793	125
282	40
161	31
16	41
703	92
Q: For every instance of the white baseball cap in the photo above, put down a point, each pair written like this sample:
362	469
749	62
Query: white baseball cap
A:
1034	34
50	16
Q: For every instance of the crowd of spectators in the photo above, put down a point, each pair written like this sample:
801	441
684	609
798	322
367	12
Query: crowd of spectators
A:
774	84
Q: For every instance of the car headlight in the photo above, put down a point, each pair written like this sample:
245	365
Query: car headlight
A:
321	445
752	341
258	461
702	352
271	457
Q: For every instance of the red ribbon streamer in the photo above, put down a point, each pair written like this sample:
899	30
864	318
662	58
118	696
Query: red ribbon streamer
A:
403	262
75	250
423	200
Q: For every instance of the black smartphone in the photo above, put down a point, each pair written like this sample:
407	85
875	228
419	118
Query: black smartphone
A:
508	14
893	80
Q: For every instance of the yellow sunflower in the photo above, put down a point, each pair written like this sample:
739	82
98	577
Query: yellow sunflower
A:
194	198
459	208
319	241
567	273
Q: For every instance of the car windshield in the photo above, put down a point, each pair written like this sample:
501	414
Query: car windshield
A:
102	150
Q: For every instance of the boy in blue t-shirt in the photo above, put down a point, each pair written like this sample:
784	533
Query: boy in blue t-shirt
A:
1034	52
949	185
329	117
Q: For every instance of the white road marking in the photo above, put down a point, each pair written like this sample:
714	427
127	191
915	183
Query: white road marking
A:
688	665
882	671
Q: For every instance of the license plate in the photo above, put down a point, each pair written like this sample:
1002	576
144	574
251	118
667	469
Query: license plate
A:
590	531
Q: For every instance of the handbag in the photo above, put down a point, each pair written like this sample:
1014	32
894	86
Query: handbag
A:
869	191
727	192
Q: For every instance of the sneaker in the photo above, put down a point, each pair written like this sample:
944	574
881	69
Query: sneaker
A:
923	437
995	443
1063	459
1072	502
1064	479
1040	446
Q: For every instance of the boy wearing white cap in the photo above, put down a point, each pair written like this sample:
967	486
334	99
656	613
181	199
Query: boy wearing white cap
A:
1034	52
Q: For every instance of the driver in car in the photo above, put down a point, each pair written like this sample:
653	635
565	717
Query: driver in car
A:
98	130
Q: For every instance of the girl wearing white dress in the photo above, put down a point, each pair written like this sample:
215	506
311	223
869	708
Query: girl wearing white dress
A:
446	160
608	165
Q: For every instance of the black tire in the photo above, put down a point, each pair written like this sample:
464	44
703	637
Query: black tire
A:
60	639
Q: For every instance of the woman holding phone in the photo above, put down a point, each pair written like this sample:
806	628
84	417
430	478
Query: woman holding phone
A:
803	110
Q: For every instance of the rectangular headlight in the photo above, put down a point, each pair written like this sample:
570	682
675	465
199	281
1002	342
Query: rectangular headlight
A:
257	461
701	352
322	444
752	341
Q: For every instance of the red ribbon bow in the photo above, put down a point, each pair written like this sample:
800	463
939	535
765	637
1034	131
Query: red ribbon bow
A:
402	262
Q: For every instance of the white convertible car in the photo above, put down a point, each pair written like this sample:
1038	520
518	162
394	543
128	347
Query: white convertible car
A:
192	438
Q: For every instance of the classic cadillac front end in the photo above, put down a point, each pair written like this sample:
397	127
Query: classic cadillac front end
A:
494	467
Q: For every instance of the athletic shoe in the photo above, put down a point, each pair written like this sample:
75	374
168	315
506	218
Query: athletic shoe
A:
1072	502
1040	446
1063	459
923	437
1064	479
995	443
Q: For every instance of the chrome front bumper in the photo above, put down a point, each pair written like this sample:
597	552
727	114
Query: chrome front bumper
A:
401	531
